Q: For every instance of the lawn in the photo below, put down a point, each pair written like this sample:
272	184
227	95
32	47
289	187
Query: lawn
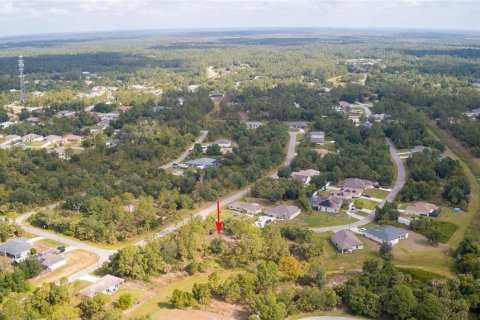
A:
376	193
158	304
319	219
365	204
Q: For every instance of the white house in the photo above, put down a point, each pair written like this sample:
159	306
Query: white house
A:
32	137
107	284
305	175
18	249
253	124
51	259
346	241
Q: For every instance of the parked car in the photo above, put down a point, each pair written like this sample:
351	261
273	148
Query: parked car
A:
61	249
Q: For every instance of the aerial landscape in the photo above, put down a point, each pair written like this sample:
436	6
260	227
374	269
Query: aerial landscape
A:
232	166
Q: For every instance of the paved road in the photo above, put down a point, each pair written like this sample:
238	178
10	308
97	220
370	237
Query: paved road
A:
399	183
205	212
184	155
103	254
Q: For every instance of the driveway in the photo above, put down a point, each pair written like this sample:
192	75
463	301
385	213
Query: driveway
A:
399	183
184	155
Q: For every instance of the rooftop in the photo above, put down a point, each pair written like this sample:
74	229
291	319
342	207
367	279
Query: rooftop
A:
386	233
101	285
346	239
16	246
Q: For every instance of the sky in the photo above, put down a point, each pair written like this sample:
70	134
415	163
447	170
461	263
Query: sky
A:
25	17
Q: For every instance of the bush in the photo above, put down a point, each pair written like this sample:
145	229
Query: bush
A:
125	301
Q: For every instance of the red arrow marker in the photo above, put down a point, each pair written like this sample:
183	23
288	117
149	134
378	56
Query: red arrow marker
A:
218	223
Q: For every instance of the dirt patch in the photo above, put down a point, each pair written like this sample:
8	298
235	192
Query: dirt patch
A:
76	261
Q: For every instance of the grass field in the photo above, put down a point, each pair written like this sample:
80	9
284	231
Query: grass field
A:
319	219
158	305
376	193
365	204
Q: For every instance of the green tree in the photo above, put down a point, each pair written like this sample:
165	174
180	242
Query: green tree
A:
434	236
125	301
266	307
399	302
202	293
181	299
93	308
431	308
289	268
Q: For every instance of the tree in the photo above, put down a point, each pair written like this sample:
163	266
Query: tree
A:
363	302
93	308
13	309
284	172
266	307
431	308
386	251
197	148
31	267
400	303
289	267
125	301
434	236
202	293
182	299
214	150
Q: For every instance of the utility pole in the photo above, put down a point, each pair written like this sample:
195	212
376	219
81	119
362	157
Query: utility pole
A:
21	66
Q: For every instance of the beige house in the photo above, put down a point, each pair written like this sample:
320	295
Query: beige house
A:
284	212
326	203
346	241
107	285
421	208
249	208
305	175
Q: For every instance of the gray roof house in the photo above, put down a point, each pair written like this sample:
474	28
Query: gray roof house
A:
326	203
298	125
18	249
51	259
283	212
317	137
388	234
31	137
357	183
107	284
203	163
249	208
53	139
253	124
346	241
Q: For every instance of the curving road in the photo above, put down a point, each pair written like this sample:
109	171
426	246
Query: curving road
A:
104	254
399	183
184	155
205	212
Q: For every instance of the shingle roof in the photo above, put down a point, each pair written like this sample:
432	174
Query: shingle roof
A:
326	201
282	210
101	285
16	246
356	183
202	162
345	239
386	233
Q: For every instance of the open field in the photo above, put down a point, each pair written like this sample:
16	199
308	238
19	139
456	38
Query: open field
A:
416	252
376	193
319	219
157	307
365	204
76	261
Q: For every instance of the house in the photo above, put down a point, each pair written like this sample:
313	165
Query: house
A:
107	284
380	117
12	138
317	137
305	175
348	193
51	259
474	113
346	241
32	120
421	208
216	96
66	114
358	183
18	249
6	124
124	108
103	124
418	149
203	163
110	116
344	104
112	142
404	220
223	143
52	139
283	212
297	125
322	152
326	203
71	138
262	221
389	234
253	124
249	208
32	137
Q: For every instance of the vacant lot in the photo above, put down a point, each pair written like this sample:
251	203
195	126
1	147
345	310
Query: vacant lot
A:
76	261
376	193
319	219
416	252
365	204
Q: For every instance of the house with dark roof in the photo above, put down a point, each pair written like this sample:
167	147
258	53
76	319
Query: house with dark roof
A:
17	249
357	183
389	234
298	125
284	212
326	203
51	259
346	241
